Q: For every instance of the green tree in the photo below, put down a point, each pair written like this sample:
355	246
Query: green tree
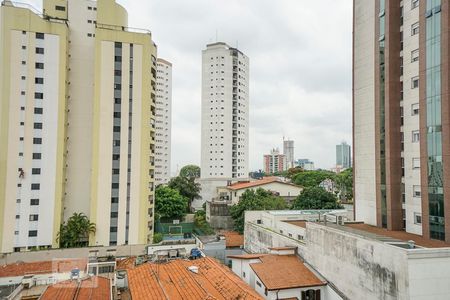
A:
75	233
294	171
187	187
315	197
169	204
312	178
157	237
201	224
254	200
344	182
190	171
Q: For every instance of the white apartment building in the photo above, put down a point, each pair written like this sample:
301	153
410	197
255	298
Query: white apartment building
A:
288	151
77	94
225	113
163	118
401	144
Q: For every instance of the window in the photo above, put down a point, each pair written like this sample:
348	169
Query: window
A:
415	55
415	28
34	217
89	34
39	65
416	191
36	171
37	155
415	82
37	125
112	229
32	233
39	50
37	141
417	218
24	62
38	110
39	35
415	136
414	4
114	214
415	109
258	283
38	95
16	232
258	221
89	7
116	157
243	274
416	163
39	80
17	217
35	186
18	201
34	202
60	8
114	200
114	185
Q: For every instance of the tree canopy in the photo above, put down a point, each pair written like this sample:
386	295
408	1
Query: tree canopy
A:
344	182
169	204
186	186
190	171
315	197
75	233
312	178
254	200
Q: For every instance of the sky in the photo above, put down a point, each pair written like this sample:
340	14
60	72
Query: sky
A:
300	69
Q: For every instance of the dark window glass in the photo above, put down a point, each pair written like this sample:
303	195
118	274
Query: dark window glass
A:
116	129
37	155
34	217
36	171
113	229
39	65
32	233
38	110
37	125
115	171
35	186
37	141
39	80
117	58
116	157
117	115
39	35
34	202
114	185
60	8
114	200
38	96
114	214
39	50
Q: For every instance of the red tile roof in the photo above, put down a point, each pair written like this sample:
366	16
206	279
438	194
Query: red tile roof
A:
174	281
279	272
42	267
400	235
93	288
297	223
233	239
251	184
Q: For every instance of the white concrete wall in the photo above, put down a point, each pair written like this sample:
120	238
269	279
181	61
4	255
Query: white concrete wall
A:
364	111
285	190
360	268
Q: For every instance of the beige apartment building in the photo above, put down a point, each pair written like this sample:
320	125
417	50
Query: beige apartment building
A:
76	112
401	115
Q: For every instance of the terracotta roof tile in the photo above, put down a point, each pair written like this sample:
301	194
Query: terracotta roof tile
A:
174	281
250	184
93	288
246	256
400	235
42	267
297	223
126	263
284	272
233	239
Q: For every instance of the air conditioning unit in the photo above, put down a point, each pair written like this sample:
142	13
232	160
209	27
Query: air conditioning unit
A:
340	220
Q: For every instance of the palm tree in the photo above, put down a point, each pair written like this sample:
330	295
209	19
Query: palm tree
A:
76	232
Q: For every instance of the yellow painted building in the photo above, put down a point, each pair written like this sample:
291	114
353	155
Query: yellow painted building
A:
77	104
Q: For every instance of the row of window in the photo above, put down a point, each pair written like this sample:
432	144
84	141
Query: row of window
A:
31	218
33	202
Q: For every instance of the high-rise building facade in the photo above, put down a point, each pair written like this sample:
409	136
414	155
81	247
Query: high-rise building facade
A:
163	118
77	104
288	151
343	155
225	113
401	115
274	162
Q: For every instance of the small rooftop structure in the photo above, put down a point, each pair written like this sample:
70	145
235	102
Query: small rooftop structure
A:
233	239
203	278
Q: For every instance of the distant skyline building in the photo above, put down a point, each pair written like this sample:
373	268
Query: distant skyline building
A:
225	113
401	119
305	164
163	119
288	151
77	99
274	162
343	155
